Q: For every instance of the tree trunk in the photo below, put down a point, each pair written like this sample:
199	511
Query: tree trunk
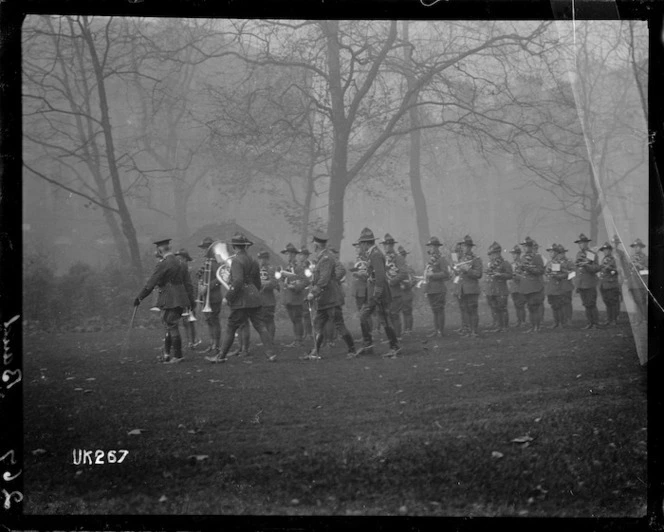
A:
335	209
180	198
306	208
127	225
415	174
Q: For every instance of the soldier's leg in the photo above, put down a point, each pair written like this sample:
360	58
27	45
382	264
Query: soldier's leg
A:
341	329
522	308
214	325
491	301
236	319
172	317
245	338
431	298
501	309
168	343
407	310
384	314
269	313
254	315
307	330
320	325
366	316
473	305
440	313
395	315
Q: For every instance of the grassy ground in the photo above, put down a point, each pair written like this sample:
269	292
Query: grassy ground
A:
430	433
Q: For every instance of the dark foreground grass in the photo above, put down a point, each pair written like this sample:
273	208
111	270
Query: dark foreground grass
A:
428	434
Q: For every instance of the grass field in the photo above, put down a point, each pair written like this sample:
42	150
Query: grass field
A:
431	433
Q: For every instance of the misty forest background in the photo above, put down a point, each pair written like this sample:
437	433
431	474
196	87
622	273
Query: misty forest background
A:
138	128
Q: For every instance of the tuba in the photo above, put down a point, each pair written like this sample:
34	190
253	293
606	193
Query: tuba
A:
221	253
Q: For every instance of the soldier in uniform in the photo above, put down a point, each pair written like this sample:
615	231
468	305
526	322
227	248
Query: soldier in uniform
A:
292	293
437	271
395	269
244	299
212	318
407	297
587	267
637	280
168	276
542	307
498	272
567	286
340	275
457	257
326	292
189	325
304	262
531	284
555	275
268	285
467	275
378	298
518	298
609	284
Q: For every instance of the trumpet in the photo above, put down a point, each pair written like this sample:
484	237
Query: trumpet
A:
421	279
280	272
190	314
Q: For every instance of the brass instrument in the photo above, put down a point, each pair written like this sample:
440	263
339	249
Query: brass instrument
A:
391	268
190	314
221	253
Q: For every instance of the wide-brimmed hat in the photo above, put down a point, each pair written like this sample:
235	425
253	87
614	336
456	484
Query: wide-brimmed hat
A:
467	241
321	237
264	254
433	241
562	249
389	239
495	247
582	238
304	251
334	250
206	243
527	242
184	254
290	248
239	239
553	247
366	235
162	241
402	250
606	245
637	243
516	250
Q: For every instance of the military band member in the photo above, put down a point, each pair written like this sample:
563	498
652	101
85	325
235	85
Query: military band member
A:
304	262
243	297
555	275
609	284
326	292
457	256
378	298
212	318
407	291
360	278
188	324
542	307
587	267
531	284
292	293
437	271
168	277
498	272
340	275
467	275
637	280
518	298
395	269
567	286
269	284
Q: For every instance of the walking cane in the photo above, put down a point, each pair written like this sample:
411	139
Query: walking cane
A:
131	324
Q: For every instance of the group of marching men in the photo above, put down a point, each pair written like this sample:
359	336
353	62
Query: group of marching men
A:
313	295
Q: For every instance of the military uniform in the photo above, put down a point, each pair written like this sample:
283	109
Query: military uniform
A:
555	276
498	272
586	282
188	323
169	278
360	279
378	295
609	284
326	292
456	291
269	284
212	318
436	273
407	295
518	298
395	269
467	275
305	264
244	299
293	293
637	280
531	284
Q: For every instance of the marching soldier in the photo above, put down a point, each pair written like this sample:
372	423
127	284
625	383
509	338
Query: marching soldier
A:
243	297
326	292
378	295
292	293
212	318
168	276
587	267
555	274
518	298
457	257
567	286
305	263
188	323
269	284
637	281
395	269
437	271
609	284
467	275
530	271
498	273
407	291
